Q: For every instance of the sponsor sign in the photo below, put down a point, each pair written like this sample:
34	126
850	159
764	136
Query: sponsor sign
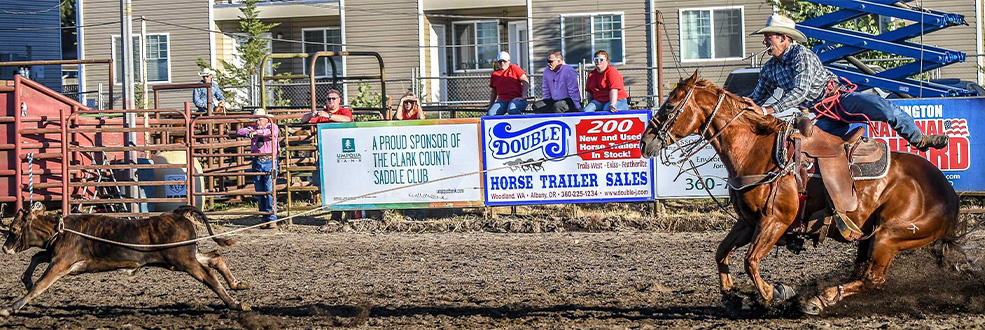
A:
400	164
672	183
958	118
567	158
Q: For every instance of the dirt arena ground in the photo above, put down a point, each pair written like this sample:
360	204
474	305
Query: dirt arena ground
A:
313	276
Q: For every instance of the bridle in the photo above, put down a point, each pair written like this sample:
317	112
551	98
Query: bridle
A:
666	138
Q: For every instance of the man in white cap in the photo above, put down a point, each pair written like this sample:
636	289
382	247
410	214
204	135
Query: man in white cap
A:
265	136
509	87
200	95
804	81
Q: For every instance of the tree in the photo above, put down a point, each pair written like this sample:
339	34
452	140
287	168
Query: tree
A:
69	36
251	49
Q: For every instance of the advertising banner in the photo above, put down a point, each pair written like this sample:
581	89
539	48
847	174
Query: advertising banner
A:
690	185
400	164
961	119
566	158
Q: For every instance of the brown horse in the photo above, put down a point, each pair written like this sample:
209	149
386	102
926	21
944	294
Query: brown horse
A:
912	206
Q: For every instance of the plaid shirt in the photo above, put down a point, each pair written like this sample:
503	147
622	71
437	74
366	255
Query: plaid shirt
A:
799	74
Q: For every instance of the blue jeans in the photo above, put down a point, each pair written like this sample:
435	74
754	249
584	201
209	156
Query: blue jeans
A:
502	107
877	109
621	104
265	183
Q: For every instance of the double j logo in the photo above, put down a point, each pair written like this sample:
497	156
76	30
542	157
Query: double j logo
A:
549	137
348	153
955	157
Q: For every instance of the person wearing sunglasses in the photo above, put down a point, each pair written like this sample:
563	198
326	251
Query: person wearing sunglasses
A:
333	113
560	87
509	87
605	86
409	108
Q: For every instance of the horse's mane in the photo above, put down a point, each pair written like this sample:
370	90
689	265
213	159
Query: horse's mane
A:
761	124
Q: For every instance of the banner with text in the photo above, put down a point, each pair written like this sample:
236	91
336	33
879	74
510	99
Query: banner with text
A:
566	158
958	118
362	158
671	183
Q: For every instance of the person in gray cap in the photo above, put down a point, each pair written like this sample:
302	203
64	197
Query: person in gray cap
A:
805	82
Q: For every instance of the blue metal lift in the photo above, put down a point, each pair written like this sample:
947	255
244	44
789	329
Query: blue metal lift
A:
837	43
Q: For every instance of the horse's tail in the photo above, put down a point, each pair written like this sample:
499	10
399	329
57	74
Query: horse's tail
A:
951	251
190	212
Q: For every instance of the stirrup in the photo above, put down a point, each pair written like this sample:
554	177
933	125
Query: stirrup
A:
846	227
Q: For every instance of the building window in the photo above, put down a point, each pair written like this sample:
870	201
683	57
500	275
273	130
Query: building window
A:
475	45
711	33
582	35
157	52
324	39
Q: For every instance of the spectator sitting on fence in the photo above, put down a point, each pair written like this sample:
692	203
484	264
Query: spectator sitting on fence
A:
334	112
265	138
560	86
509	87
409	108
605	86
200	95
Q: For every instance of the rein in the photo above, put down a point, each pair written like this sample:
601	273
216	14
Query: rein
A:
734	183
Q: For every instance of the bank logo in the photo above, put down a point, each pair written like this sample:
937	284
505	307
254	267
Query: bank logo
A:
348	145
548	138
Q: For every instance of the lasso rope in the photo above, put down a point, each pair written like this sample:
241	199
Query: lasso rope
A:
61	221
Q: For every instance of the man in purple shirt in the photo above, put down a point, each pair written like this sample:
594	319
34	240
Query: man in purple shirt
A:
264	135
560	86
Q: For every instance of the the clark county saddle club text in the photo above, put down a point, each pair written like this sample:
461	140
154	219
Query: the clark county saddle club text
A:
404	159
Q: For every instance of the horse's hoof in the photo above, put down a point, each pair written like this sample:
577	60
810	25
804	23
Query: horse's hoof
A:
812	306
243	307
783	292
5	312
241	286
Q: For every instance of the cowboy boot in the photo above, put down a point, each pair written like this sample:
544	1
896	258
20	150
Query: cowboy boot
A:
926	142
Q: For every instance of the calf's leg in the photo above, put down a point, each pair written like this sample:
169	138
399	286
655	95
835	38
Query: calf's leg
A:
36	260
203	274
56	270
215	261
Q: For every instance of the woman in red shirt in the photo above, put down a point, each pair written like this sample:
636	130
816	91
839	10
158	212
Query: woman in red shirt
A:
409	108
509	87
605	87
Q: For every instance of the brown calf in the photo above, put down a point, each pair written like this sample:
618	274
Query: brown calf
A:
70	253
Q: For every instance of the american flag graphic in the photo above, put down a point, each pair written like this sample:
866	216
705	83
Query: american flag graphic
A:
956	127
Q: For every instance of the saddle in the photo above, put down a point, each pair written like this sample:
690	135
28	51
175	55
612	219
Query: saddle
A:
838	161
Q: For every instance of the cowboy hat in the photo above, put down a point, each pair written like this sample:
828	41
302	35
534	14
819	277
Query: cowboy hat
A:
262	112
783	25
206	72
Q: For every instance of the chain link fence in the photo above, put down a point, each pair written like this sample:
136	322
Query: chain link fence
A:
472	91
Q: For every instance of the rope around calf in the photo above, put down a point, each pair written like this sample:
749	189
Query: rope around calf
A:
61	221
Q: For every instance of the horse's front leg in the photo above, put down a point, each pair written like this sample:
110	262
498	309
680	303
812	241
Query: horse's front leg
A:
771	228
740	235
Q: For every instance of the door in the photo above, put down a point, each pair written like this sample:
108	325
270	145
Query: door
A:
519	44
439	64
